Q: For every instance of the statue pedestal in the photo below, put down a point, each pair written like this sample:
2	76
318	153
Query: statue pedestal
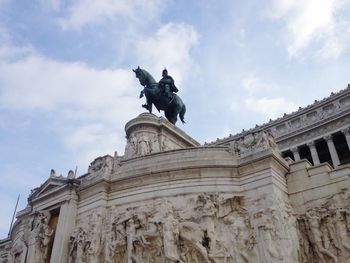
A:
149	134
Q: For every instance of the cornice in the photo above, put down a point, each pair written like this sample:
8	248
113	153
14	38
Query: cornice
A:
316	107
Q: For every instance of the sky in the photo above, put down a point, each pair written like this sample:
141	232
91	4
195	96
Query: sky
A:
67	88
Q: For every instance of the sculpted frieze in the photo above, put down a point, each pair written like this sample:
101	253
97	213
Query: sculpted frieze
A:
324	231
319	115
86	240
144	143
208	227
312	134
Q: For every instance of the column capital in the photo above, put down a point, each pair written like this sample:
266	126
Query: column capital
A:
294	149
328	137
311	144
346	131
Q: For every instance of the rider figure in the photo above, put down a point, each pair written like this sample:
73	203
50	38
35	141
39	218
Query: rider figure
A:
167	88
167	85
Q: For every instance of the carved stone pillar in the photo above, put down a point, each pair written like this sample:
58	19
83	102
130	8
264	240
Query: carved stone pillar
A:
314	153
347	135
65	227
295	152
332	150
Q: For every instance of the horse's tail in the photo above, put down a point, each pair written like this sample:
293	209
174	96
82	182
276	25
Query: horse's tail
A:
182	114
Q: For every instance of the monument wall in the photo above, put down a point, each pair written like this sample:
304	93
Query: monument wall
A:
168	199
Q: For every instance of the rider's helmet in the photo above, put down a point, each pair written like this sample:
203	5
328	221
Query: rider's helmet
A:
165	72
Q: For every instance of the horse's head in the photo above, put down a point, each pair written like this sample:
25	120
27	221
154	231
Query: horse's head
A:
140	74
144	77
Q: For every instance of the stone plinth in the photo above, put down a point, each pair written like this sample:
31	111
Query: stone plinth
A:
148	134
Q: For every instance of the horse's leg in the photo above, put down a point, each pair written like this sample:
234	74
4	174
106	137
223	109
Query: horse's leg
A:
174	119
182	113
167	115
148	101
150	105
170	116
178	108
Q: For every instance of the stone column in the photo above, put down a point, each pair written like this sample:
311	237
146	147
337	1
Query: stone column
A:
32	245
332	150
314	153
23	256
65	227
347	135
295	152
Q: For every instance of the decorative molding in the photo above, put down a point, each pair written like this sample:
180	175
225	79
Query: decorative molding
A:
320	113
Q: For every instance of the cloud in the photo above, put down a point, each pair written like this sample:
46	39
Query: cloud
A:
7	50
89	105
253	84
90	12
270	107
313	24
53	5
169	47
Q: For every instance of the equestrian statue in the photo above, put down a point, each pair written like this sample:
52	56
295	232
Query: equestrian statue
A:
161	95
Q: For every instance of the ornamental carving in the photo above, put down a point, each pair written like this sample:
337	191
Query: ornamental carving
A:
253	143
99	168
41	235
86	241
145	143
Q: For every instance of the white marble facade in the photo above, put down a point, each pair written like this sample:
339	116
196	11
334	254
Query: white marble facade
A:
168	199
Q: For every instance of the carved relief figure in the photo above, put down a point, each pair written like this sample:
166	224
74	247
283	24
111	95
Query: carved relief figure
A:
323	230
143	145
116	241
17	252
148	237
94	237
155	144
166	144
252	143
170	238
78	246
131	147
206	210
317	237
43	234
100	167
341	230
85	242
191	247
266	237
305	255
289	223
121	242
